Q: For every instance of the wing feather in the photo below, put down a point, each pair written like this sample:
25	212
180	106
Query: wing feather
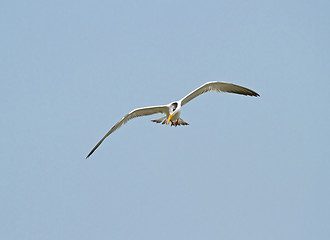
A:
218	87
139	112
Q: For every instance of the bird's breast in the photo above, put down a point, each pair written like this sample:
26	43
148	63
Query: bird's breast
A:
176	116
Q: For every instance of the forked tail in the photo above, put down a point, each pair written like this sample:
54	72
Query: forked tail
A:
178	122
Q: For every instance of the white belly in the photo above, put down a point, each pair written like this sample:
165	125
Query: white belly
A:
176	116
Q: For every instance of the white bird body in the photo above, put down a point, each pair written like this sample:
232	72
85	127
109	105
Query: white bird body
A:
172	111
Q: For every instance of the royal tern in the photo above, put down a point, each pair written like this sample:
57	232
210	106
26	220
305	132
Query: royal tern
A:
172	111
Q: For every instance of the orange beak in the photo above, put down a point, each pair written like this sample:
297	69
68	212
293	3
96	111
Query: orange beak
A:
169	119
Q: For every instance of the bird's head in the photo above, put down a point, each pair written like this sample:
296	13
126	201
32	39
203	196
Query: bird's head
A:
173	107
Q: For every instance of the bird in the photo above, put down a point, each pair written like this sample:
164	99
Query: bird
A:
172	111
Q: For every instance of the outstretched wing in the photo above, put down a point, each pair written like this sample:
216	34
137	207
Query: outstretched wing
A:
218	87
139	112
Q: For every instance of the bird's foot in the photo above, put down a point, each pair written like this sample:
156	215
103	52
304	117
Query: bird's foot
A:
178	122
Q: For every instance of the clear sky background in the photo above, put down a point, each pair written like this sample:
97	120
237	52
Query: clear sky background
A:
245	167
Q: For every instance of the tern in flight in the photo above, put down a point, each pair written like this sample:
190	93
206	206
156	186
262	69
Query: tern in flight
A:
172	111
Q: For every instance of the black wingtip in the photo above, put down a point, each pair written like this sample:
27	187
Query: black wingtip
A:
90	153
254	94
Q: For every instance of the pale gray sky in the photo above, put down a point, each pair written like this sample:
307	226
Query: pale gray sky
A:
245	168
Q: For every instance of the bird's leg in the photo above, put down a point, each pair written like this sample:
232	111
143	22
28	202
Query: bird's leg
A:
177	122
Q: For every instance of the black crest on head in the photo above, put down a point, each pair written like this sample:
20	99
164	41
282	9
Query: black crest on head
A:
173	106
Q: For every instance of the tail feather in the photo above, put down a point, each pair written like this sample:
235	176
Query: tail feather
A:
181	122
163	120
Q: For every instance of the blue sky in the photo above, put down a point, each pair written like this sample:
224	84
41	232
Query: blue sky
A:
245	168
